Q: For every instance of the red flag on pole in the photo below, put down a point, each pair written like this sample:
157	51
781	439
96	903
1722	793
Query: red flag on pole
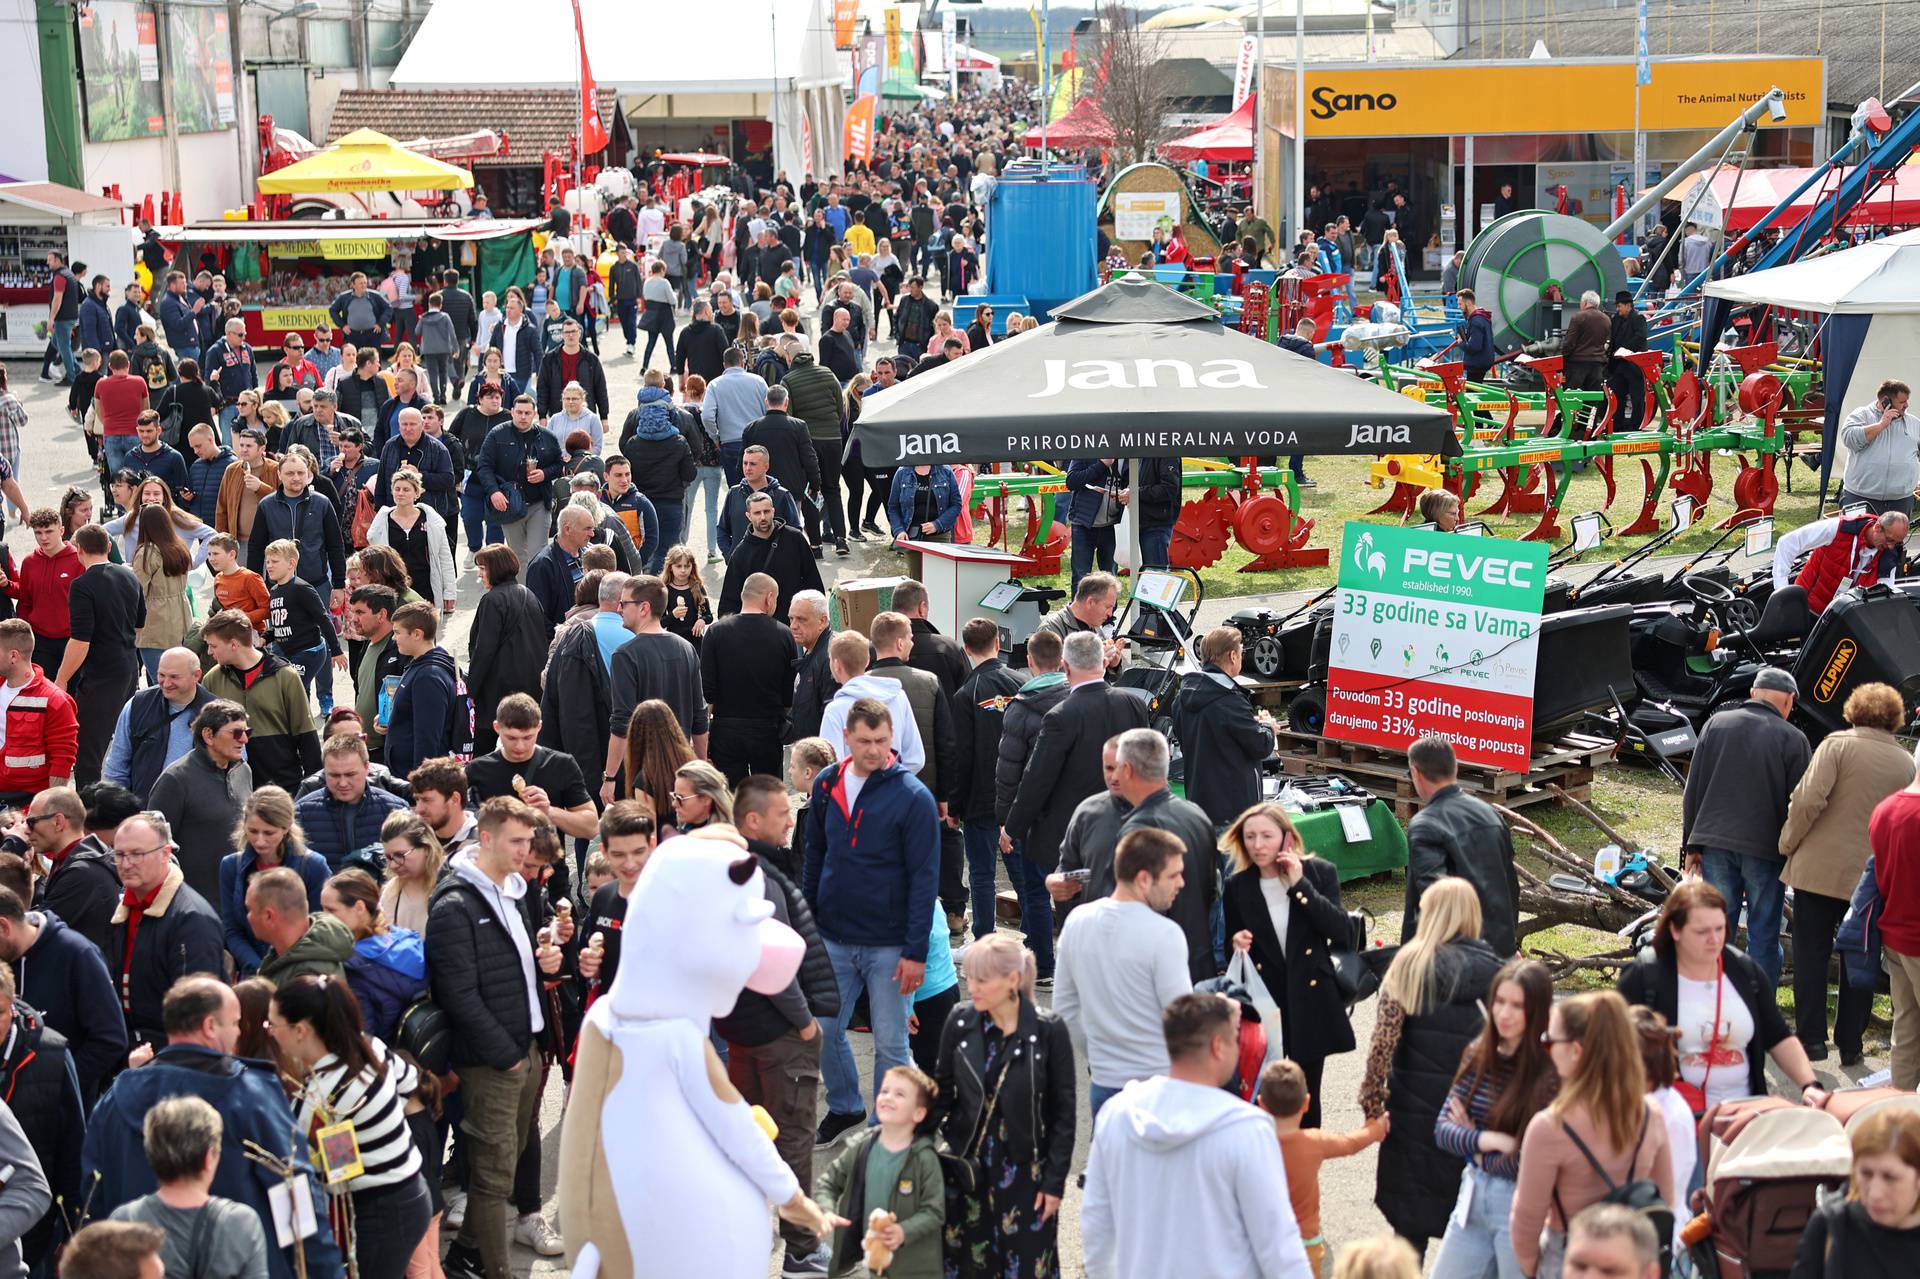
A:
593	133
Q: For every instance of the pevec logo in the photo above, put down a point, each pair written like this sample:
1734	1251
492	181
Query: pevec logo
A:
1328	104
1367	559
1458	566
1835	671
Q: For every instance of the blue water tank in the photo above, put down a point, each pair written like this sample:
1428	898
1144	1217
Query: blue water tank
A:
1042	234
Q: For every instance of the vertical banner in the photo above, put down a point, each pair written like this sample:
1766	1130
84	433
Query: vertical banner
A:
948	39
149	29
1436	633
1243	72
806	145
857	140
846	15
893	39
1642	62
593	131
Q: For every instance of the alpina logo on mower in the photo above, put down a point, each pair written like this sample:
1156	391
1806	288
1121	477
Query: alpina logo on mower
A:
1145	374
1836	670
917	446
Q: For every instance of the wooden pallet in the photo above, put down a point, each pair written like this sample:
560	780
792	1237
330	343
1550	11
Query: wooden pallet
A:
1568	762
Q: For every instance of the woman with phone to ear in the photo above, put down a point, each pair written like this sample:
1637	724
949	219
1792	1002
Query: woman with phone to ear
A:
1283	908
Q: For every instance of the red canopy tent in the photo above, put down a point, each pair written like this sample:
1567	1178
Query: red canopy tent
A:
1083	126
1896	203
1227	140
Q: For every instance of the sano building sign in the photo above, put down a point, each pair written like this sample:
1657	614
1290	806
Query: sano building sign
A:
1436	633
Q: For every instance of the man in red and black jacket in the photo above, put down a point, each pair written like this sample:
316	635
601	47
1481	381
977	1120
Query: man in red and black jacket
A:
41	729
1846	550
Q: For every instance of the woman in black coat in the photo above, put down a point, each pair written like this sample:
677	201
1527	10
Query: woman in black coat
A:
1001	1046
1283	907
1429	1013
1873	1233
510	639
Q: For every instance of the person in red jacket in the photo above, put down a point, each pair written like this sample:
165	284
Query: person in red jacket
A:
39	585
39	731
1893	833
1846	550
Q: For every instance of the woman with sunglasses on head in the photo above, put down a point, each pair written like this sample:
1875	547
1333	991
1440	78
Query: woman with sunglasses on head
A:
414	858
347	1078
1282	907
700	797
268	835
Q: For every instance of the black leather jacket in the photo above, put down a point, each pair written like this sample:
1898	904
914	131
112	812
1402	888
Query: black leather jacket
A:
1456	834
1036	1094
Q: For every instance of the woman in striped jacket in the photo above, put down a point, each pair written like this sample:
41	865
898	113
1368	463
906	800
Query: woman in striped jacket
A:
349	1079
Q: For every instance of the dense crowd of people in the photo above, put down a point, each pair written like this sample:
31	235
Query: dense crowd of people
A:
302	909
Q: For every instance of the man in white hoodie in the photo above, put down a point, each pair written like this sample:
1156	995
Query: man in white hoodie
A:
848	654
1185	1178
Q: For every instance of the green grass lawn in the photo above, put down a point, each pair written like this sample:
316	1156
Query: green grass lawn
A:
1341	494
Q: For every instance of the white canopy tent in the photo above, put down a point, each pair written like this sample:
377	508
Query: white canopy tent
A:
768	59
1869	298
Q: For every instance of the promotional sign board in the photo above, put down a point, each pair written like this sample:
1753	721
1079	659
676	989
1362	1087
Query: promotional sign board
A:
1243	72
1434	633
1137	214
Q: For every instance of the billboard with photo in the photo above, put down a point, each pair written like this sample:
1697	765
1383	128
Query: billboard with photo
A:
200	59
120	70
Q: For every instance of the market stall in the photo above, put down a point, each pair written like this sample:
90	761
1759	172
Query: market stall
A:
37	218
286	273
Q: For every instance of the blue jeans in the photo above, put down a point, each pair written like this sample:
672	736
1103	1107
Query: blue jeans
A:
982	836
1477	1245
668	536
1092	547
856	968
708	480
1156	544
150	659
1098	1095
730	463
1036	908
63	331
477	514
315	670
1753	881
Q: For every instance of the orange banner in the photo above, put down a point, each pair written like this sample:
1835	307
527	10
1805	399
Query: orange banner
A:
846	14
858	137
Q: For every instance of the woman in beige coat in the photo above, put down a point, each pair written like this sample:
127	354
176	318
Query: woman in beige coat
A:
1825	844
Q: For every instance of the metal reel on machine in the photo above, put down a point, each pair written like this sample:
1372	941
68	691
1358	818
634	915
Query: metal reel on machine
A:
1516	259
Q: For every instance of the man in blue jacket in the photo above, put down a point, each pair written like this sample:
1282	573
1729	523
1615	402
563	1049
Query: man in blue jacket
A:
410	445
425	702
1476	338
344	817
229	362
518	463
63	973
872	898
96	319
202	1021
180	317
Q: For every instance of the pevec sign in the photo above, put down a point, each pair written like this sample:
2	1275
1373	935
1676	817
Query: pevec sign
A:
1489	98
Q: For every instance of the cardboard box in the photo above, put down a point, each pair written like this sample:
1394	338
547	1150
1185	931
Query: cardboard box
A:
857	602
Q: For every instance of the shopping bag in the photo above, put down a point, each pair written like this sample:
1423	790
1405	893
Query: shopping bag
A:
1241	972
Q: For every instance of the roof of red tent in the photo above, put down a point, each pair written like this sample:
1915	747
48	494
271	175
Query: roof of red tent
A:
1229	138
1083	126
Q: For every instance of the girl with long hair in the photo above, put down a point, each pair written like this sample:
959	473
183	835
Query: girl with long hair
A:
136	492
1600	1131
1504	1080
345	1077
414	858
161	563
656	750
688	613
268	835
1429	1013
1282	907
383	566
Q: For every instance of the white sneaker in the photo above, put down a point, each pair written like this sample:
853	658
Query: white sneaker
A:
456	1209
533	1231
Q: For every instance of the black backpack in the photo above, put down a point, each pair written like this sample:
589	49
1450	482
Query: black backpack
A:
461	738
1641	1194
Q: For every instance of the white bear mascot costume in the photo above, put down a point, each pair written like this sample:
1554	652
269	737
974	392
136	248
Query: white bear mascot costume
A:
664	1169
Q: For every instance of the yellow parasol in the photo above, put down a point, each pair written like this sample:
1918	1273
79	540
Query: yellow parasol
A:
366	160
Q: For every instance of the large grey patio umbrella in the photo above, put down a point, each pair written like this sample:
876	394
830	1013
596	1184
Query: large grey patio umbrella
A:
1136	369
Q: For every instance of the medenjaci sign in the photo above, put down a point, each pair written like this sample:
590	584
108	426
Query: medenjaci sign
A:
1436	633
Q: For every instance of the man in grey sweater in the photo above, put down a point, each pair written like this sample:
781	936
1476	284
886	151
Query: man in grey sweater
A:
24	1195
1883	452
1121	962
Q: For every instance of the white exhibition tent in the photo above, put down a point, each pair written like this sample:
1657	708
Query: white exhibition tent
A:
723	59
1868	298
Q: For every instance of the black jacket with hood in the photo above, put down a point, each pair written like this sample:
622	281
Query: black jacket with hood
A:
784	556
1222	742
475	974
423	710
84	890
63	973
37	1079
813	993
1017	733
577	701
1065	767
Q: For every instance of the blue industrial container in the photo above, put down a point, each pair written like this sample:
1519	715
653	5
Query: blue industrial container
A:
1042	235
